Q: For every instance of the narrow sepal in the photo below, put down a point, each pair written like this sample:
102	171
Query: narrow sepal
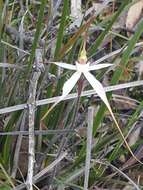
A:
99	66
65	65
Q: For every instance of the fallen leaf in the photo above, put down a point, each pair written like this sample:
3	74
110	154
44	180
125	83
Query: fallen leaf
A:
134	135
129	187
140	69
134	14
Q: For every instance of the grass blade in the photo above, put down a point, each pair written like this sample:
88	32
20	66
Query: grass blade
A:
100	39
61	29
37	33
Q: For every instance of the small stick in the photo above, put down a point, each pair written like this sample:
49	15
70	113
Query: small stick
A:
89	146
71	96
38	132
31	106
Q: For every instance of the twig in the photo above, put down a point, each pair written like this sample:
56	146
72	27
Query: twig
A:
31	106
116	52
71	96
38	132
14	47
89	146
9	65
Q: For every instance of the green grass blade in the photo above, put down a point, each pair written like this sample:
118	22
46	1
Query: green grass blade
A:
37	33
61	29
6	141
7	176
100	39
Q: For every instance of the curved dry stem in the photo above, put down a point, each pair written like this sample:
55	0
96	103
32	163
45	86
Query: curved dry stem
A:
124	139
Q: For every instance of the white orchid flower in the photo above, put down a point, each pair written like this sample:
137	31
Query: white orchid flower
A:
81	67
85	70
71	82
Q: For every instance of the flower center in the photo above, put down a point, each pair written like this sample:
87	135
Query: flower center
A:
82	67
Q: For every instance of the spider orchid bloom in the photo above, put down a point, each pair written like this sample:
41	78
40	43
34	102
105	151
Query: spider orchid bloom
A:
81	67
85	70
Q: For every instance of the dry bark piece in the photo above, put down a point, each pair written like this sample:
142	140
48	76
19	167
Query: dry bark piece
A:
135	134
134	14
140	69
129	187
131	161
76	11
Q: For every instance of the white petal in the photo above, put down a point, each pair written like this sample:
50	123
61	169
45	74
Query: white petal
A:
99	66
97	86
70	83
65	65
68	86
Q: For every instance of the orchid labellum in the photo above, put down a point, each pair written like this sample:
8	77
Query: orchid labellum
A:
82	67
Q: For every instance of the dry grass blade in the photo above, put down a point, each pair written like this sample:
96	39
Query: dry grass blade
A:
38	132
15	47
8	65
71	96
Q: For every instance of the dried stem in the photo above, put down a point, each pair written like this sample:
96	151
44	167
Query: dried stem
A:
71	96
31	105
89	146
